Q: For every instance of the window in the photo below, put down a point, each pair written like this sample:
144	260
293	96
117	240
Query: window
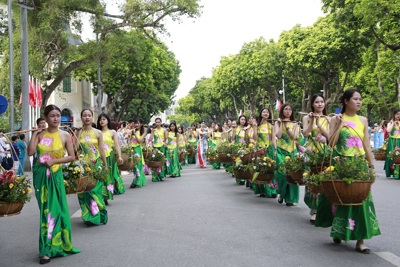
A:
67	84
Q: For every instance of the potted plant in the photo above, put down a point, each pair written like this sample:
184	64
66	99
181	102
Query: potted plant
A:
156	159
263	170
316	158
211	155
348	182
247	153
130	158
227	151
14	192
294	169
395	155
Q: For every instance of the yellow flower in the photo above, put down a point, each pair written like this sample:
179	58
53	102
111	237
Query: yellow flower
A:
287	158
265	159
251	145
30	190
269	164
88	169
330	169
23	191
237	159
65	182
11	186
305	174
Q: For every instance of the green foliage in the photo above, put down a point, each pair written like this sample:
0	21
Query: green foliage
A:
14	188
263	165
294	164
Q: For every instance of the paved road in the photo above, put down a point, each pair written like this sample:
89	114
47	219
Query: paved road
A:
205	219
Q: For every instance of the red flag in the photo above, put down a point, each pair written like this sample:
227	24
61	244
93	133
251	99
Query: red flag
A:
32	94
39	95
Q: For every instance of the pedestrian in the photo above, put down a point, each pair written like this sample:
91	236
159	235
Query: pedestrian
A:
22	153
3	146
202	144
159	137
91	141
287	131
15	152
316	130
136	140
55	239
393	128
350	222
173	165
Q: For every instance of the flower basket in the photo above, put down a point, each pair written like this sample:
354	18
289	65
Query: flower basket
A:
10	208
81	186
295	177
396	160
380	156
154	164
264	178
260	153
246	175
342	193
224	158
247	158
128	163
212	159
190	150
314	189
317	168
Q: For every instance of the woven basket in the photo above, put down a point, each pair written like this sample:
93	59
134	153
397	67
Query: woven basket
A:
82	184
317	168
313	189
127	165
380	156
264	178
396	160
295	177
245	175
154	164
260	153
247	158
223	158
10	208
342	194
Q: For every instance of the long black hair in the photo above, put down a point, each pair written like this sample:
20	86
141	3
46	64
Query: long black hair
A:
141	129
315	96
281	116
103	115
176	128
346	96
47	110
259	119
245	124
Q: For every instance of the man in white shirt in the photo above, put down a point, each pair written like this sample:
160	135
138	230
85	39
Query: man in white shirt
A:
3	146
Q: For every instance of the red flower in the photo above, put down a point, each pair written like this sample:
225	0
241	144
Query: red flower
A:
7	176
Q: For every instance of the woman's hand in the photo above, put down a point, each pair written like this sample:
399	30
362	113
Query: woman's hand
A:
120	161
48	163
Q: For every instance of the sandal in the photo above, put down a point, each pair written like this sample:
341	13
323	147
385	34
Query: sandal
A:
363	249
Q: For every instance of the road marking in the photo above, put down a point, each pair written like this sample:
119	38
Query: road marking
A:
77	214
390	257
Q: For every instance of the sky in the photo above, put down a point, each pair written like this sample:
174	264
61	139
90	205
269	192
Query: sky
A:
224	27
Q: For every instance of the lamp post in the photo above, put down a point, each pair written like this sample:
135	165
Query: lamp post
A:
11	49
282	92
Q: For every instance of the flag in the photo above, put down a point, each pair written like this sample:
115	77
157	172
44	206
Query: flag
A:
32	93
39	94
278	104
240	113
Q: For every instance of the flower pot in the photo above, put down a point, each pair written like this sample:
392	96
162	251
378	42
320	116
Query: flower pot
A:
247	158
342	194
295	177
380	156
245	175
81	186
10	208
224	158
396	160
264	178
127	165
154	164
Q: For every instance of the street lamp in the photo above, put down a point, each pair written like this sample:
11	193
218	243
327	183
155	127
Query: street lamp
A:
282	92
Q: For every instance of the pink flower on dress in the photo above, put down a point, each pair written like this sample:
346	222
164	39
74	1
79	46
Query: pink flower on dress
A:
320	138
158	170
94	149
241	140
397	132
45	157
47	141
106	147
94	209
167	163
110	187
159	140
134	141
50	226
271	185
87	138
352	223
354	141
48	173
334	210
276	185
351	124
173	142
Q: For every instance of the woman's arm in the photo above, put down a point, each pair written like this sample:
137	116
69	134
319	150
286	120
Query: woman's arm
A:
116	145
99	135
390	126
366	142
308	122
36	136
334	128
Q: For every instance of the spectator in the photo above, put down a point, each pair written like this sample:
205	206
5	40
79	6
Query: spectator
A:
3	146
22	149
15	152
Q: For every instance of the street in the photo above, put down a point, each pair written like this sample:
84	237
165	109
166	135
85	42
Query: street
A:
205	219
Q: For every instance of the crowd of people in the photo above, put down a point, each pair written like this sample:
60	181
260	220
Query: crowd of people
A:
102	143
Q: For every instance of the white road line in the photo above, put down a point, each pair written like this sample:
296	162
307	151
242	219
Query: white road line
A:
77	214
390	257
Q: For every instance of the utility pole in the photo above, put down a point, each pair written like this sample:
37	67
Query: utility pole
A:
99	86
11	66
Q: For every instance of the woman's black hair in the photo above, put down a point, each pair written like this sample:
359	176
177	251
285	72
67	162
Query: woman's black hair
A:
141	129
176	128
83	110
395	112
259	118
315	96
245	124
346	96
194	124
281	116
48	109
219	127
103	115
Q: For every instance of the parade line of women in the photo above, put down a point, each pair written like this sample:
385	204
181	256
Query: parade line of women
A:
102	145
